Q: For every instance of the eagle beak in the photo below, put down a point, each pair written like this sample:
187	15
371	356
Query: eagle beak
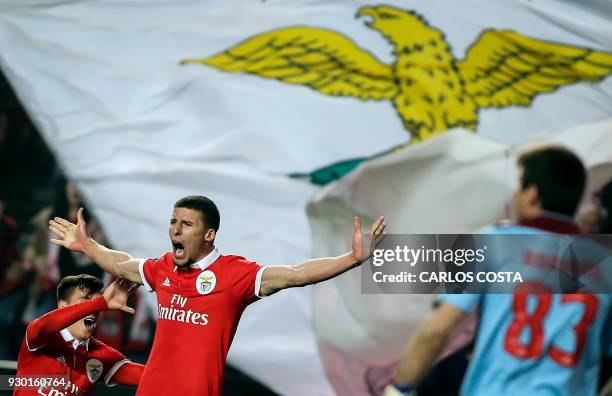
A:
368	12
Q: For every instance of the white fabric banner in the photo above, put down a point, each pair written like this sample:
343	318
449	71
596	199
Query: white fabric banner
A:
147	101
453	183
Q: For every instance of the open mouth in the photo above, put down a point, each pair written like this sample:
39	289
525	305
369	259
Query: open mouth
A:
90	323
178	249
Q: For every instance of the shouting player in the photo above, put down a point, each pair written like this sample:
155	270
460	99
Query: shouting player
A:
60	343
527	344
201	294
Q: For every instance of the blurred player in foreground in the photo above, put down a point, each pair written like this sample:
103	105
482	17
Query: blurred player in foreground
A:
201	294
527	344
60	343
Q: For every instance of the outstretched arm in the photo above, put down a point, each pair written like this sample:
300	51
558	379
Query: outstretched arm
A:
278	277
423	348
76	238
129	374
114	297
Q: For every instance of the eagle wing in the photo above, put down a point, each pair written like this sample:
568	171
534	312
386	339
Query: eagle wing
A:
321	59
504	68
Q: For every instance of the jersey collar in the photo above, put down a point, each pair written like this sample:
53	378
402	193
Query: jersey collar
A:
75	343
207	260
553	222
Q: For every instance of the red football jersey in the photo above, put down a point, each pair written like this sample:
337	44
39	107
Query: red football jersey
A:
197	315
58	353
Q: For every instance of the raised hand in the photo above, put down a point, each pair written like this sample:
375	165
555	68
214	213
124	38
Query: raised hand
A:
364	245
117	293
73	236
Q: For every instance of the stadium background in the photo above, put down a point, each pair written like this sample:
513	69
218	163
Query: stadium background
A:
328	135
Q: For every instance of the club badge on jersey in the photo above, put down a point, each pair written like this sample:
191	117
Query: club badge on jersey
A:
94	369
205	282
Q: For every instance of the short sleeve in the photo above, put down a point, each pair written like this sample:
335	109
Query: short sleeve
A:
148	271
465	302
113	361
247	279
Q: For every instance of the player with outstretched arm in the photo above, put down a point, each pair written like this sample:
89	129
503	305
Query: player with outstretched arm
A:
201	293
58	350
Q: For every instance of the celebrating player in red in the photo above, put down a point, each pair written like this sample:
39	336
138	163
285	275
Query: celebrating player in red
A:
60	343
201	294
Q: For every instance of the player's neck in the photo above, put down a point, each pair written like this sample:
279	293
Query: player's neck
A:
208	250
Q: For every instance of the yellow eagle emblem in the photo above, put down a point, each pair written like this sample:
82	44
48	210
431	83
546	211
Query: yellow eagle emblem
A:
430	89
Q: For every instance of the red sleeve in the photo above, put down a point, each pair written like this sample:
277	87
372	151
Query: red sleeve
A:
128	374
58	319
113	361
247	279
148	271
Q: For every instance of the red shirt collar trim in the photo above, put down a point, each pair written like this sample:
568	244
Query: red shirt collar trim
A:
557	224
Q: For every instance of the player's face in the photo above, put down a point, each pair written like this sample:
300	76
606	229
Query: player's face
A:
84	328
191	241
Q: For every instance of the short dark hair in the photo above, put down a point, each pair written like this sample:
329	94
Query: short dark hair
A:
204	205
559	176
87	283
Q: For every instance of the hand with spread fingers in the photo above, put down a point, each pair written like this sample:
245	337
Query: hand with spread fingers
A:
117	293
364	245
72	236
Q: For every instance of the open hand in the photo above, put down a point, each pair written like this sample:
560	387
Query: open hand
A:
363	246
72	236
117	293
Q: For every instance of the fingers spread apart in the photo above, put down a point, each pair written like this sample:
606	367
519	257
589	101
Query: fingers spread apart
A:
63	222
57	229
379	226
128	285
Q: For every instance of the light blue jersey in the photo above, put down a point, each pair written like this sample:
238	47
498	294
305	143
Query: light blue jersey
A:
537	344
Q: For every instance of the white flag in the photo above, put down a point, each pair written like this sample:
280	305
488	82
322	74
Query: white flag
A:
144	102
454	183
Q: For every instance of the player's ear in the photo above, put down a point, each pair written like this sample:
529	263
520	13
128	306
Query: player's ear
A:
210	235
533	195
62	304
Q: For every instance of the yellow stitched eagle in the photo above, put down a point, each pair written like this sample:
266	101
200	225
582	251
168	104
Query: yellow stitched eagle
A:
430	89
